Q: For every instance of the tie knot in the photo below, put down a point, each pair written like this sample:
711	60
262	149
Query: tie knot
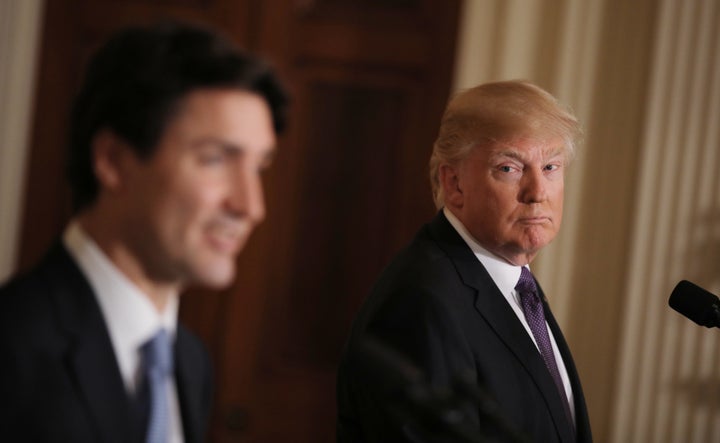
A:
526	284
157	353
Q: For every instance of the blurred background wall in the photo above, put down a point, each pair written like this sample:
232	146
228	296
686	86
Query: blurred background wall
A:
19	31
642	197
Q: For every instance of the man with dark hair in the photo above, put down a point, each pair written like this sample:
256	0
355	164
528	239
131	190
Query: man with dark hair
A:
459	304
169	134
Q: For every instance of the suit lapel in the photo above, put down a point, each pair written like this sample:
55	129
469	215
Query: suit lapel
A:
89	357
582	420
190	383
494	309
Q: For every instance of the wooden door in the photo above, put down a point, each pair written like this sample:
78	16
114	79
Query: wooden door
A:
349	187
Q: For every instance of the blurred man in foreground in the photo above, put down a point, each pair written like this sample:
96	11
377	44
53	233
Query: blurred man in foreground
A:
169	134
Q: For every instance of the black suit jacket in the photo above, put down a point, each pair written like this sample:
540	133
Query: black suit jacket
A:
437	305
59	378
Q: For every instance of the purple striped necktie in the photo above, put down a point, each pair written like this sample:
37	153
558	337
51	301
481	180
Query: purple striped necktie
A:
535	316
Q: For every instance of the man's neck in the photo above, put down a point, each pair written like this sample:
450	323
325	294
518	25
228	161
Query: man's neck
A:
126	261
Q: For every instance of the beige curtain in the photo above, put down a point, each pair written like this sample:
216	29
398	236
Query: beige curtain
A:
19	32
642	198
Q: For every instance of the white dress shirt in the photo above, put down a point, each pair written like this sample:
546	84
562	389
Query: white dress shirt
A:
506	277
131	318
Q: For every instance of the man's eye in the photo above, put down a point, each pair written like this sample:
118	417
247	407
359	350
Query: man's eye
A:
211	158
506	168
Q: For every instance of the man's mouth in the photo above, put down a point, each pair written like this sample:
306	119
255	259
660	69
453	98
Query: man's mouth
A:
228	239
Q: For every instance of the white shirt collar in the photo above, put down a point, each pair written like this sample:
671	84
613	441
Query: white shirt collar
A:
131	317
506	277
504	274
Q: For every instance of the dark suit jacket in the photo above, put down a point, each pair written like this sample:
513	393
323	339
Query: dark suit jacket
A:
437	304
59	378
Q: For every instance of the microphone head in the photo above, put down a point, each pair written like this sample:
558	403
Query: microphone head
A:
696	303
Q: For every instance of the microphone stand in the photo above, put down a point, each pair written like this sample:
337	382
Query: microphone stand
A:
431	413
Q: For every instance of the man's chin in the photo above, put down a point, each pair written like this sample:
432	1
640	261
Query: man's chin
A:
217	277
537	238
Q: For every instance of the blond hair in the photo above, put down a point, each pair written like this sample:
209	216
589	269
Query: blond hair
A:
498	112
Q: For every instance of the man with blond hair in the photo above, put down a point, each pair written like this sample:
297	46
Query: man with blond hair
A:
460	299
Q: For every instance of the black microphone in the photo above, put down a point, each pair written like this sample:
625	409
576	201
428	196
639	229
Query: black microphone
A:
696	303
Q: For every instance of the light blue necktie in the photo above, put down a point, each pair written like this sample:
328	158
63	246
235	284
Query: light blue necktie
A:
158	361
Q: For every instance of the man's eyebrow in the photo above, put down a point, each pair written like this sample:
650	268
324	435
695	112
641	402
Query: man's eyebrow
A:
505	153
213	141
220	143
510	153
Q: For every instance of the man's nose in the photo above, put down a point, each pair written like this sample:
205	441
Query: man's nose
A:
533	186
247	199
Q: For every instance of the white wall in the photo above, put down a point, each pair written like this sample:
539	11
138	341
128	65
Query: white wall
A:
19	31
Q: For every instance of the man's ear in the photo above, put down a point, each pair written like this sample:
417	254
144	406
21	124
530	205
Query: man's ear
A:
108	151
450	183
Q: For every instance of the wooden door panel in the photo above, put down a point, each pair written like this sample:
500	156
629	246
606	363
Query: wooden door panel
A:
369	85
369	80
346	223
